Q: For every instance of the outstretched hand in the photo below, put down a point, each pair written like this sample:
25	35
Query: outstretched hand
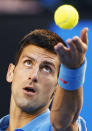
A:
73	56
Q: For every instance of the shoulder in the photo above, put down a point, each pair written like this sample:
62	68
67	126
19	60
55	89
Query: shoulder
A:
47	126
4	122
81	124
80	121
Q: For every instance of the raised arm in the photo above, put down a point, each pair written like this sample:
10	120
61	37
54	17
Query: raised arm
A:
67	104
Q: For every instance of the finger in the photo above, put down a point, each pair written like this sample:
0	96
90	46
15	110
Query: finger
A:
79	44
63	52
83	36
60	48
72	46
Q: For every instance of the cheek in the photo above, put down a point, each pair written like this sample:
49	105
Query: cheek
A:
48	83
18	78
19	74
48	86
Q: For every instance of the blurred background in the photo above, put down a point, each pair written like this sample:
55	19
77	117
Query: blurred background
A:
19	17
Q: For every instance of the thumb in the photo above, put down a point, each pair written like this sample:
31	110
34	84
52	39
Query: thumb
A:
84	36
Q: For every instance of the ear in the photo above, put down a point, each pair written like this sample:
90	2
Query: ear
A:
9	76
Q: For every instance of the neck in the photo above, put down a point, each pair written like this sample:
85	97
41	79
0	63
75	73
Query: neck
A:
18	118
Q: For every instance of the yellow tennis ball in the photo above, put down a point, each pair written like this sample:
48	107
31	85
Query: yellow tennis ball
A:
66	17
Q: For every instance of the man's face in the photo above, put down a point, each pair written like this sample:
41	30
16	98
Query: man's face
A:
34	78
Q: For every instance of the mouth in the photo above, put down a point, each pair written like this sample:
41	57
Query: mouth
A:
30	91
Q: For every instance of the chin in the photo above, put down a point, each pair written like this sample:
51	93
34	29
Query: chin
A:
27	110
32	109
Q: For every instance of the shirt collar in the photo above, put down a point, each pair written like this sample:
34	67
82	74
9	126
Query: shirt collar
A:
4	122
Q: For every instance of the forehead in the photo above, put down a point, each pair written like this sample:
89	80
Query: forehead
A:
39	53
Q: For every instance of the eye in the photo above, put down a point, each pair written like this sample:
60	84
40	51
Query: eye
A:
47	69
28	63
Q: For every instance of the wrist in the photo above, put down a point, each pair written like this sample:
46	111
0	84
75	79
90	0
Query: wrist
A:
72	79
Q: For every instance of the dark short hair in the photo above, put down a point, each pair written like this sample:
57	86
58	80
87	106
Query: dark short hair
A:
39	37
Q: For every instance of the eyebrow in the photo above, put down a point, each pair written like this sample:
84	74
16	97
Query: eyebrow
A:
48	63
44	62
28	57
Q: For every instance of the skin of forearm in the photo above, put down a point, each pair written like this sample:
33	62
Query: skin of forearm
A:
66	108
72	127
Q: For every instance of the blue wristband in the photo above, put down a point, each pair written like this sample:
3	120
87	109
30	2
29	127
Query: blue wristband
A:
72	79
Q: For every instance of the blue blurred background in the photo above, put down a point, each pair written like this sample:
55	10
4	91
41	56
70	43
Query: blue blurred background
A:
19	17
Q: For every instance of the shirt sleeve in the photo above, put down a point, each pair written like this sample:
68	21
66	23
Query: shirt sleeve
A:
81	124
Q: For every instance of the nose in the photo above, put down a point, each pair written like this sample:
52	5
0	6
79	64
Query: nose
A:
34	74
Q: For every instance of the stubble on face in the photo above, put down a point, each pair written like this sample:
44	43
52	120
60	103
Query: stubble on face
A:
37	64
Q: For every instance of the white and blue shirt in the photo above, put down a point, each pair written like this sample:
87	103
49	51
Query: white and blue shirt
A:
40	123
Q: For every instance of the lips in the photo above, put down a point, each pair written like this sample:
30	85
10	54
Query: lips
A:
30	91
